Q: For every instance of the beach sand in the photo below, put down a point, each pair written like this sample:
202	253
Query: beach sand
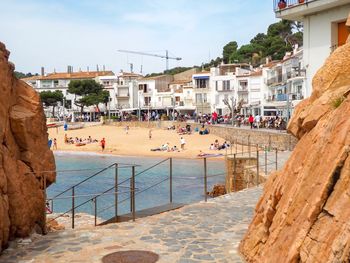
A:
136	142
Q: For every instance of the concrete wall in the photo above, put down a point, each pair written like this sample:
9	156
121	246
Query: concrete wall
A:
273	139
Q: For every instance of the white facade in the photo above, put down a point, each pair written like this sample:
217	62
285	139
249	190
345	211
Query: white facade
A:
321	20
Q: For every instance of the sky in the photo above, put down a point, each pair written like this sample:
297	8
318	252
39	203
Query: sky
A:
85	33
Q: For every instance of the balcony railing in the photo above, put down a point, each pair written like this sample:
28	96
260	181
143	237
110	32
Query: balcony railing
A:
279	5
282	97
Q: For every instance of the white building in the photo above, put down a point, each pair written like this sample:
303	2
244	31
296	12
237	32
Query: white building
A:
202	92
286	85
224	79
324	29
60	81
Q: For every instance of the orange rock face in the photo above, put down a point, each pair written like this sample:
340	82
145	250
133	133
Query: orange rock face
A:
24	154
304	213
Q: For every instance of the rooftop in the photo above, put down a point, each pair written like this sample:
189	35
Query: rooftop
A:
73	75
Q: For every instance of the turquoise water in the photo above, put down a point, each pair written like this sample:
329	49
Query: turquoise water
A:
188	182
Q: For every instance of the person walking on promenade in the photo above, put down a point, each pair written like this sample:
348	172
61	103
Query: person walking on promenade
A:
257	121
182	142
150	134
251	121
103	144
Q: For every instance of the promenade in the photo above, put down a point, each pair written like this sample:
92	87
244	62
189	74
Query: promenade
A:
200	232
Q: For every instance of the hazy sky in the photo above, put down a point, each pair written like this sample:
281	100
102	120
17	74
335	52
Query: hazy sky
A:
84	33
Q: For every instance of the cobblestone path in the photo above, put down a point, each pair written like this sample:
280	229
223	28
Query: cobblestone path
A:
200	232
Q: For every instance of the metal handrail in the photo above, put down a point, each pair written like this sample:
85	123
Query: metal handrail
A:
99	172
139	192
88	178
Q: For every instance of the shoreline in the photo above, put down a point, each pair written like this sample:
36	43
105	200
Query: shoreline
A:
111	154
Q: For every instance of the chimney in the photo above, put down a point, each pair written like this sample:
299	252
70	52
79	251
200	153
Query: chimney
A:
104	68
88	69
68	69
267	60
97	68
42	71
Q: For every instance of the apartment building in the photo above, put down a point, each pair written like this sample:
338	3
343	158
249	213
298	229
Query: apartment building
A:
202	92
154	92
286	85
324	29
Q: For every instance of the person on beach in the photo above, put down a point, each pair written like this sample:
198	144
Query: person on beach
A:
182	142
103	144
127	129
49	143
150	134
54	144
65	138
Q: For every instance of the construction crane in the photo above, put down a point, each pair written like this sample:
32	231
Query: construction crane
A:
153	55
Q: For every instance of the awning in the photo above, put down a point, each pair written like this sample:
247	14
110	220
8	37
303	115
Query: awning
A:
201	77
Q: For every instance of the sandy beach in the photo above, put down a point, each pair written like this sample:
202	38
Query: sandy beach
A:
136	142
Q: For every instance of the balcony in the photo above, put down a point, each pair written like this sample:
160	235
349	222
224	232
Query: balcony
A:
122	95
242	90
274	80
298	9
281	97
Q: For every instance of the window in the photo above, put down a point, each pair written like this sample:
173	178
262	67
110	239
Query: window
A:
55	83
225	85
216	85
205	97
201	83
177	98
199	98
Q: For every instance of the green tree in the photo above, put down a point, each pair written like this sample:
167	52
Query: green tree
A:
51	99
21	75
90	93
228	50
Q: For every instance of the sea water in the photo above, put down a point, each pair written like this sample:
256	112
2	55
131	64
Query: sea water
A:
72	168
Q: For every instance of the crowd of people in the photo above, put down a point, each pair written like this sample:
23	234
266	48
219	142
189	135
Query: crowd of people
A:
217	146
78	141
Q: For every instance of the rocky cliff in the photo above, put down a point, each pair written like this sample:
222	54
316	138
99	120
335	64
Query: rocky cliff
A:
303	215
24	154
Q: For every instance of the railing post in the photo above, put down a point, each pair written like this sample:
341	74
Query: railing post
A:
236	145
234	173
257	164
73	206
242	147
95	206
116	192
265	160
205	180
171	179
276	159
249	149
133	193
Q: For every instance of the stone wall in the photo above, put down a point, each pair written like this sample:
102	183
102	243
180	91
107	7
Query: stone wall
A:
24	154
280	140
241	173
